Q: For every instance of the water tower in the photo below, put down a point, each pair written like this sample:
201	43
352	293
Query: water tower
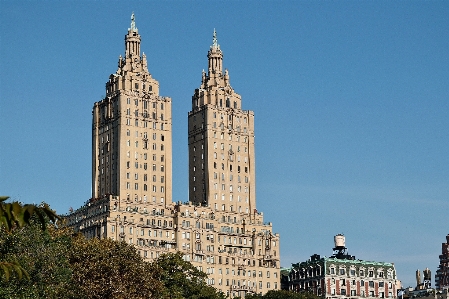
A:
340	250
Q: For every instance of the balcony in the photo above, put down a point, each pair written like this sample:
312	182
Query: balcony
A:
242	288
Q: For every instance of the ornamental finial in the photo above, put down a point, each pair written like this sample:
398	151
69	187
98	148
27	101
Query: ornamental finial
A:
215	44
133	23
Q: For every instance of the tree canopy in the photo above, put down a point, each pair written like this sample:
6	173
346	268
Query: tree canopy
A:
182	280
14	215
110	269
61	264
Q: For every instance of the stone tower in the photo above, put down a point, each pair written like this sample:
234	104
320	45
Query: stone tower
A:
221	142
131	138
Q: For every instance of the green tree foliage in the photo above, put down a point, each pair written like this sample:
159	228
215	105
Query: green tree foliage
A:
182	280
15	216
110	269
43	255
282	294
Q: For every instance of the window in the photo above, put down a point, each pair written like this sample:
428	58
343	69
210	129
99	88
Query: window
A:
332	270
342	271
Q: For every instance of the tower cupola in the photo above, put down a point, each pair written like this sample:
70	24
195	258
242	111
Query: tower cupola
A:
132	40
215	57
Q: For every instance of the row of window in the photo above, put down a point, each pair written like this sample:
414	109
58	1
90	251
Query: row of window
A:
237	118
145	114
343	282
144	102
222	147
145	144
145	187
361	272
141	232
145	157
353	293
144	136
231	189
230	127
144	123
145	165
145	176
136	199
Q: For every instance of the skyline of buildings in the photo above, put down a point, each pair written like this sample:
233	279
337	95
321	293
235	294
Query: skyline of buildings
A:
369	144
131	178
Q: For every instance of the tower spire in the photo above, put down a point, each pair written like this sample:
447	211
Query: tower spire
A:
215	57
215	44
132	40
133	23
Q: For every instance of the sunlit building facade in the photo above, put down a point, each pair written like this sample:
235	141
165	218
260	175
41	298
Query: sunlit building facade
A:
219	229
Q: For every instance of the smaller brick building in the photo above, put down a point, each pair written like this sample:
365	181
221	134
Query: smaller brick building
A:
343	276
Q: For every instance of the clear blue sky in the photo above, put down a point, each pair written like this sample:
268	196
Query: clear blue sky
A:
351	101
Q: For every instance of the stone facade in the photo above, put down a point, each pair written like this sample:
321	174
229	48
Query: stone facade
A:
219	229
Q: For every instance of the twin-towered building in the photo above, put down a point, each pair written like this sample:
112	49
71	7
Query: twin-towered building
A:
219	229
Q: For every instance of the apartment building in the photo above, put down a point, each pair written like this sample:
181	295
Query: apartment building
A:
342	275
218	229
